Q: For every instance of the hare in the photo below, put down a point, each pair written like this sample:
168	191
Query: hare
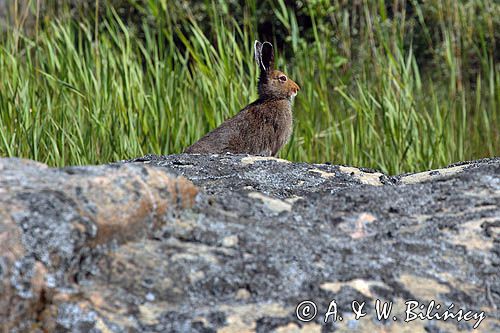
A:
262	127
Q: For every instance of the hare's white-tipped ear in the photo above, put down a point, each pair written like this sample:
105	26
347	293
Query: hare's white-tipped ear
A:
258	53
267	56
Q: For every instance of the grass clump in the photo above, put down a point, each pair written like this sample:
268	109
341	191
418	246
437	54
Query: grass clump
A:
399	89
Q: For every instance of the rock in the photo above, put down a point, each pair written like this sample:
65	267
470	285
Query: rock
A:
135	246
55	226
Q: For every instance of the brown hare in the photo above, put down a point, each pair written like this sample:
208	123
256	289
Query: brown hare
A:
262	127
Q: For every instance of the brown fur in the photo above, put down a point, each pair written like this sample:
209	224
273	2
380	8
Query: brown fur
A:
262	127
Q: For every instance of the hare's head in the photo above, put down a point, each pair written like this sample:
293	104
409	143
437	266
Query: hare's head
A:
272	83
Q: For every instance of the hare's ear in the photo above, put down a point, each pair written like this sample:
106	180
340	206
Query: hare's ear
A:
267	56
258	52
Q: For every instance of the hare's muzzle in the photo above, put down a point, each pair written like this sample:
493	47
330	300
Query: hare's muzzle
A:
294	88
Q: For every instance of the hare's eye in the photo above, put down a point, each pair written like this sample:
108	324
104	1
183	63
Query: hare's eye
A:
282	78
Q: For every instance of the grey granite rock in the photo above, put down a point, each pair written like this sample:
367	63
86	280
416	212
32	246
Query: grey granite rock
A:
134	247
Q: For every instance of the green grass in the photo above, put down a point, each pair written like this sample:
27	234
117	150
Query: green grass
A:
73	94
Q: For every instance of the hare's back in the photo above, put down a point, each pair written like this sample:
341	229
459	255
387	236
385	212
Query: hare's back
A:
220	140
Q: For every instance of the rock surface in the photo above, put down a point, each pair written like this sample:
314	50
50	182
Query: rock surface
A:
135	247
